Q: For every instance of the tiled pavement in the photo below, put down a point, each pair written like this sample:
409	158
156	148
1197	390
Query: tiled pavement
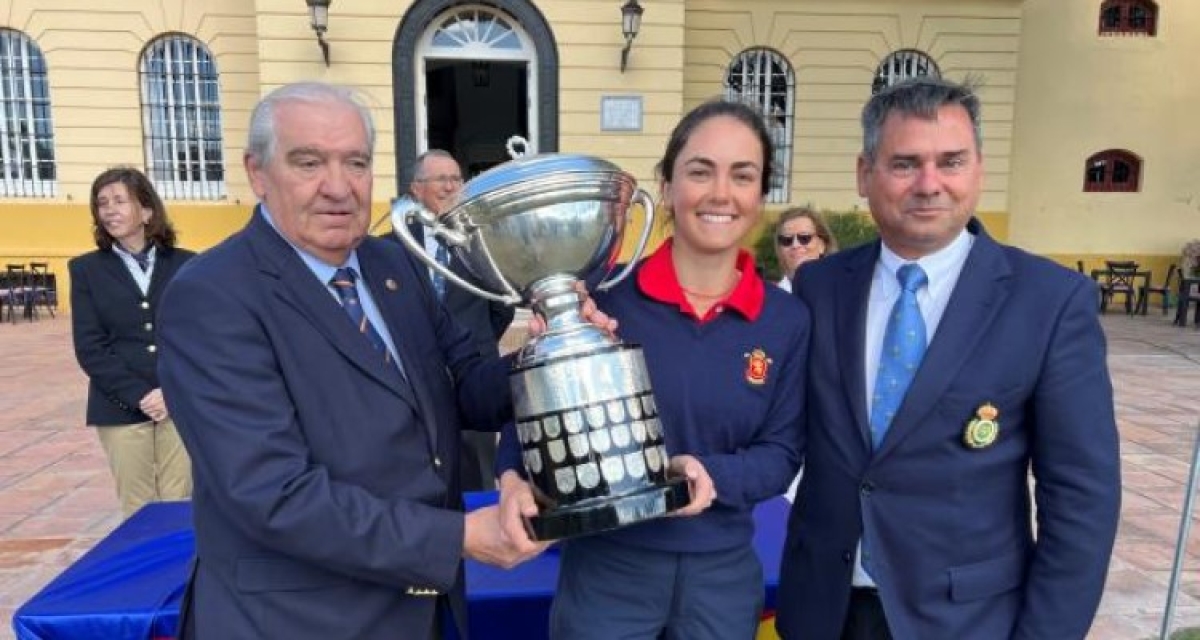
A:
56	497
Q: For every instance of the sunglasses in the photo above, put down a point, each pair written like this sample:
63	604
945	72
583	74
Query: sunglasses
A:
788	241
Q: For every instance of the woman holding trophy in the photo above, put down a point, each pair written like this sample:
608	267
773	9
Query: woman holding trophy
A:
725	353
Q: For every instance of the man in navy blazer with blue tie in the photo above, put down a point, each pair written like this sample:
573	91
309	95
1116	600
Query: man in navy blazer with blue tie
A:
326	499
988	507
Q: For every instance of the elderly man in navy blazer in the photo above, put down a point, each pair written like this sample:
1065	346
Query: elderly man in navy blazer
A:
961	474
320	389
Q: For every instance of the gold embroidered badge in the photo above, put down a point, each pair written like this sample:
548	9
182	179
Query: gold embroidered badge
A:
983	429
757	366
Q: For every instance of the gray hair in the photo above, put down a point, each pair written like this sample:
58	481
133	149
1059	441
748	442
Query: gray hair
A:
262	139
920	97
419	163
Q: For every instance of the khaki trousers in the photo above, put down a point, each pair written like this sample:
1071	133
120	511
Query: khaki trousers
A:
148	462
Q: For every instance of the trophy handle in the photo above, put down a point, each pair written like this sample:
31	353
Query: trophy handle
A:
648	205
451	237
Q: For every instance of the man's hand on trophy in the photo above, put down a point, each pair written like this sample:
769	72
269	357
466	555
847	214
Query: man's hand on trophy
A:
516	504
700	484
588	311
485	540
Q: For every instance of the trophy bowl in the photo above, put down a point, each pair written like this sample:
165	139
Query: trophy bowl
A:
529	230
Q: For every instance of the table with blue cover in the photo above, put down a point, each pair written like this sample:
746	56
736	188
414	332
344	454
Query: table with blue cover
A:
130	584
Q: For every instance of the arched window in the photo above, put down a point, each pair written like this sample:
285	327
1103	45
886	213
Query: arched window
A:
181	119
1112	170
473	31
765	80
26	133
1128	17
902	64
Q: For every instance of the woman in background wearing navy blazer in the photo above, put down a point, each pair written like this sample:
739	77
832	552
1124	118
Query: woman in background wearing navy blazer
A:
114	297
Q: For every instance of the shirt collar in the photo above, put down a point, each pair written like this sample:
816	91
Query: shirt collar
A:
657	279
939	266
323	271
148	251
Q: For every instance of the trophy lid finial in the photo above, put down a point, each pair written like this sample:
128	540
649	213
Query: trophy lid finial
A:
510	145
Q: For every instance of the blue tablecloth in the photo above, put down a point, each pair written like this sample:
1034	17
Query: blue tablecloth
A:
130	584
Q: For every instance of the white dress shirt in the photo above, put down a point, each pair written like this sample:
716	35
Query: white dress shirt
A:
942	268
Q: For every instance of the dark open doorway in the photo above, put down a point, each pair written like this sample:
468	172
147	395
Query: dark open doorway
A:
474	107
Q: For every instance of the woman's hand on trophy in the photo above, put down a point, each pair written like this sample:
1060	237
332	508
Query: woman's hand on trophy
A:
485	540
516	504
588	311
700	484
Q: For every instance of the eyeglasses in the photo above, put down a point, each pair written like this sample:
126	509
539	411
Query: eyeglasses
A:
788	241
451	180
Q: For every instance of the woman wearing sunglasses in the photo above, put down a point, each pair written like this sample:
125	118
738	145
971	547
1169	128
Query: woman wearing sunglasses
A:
801	235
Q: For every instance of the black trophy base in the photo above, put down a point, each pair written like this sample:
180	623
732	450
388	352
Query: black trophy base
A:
603	514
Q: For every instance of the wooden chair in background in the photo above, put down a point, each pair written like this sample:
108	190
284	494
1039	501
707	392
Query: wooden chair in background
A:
1189	294
1118	280
43	289
1167	291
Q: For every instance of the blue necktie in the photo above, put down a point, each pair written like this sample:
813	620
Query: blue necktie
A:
343	283
903	348
439	281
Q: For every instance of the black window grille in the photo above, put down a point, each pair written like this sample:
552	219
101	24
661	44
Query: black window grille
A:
903	64
181	118
27	168
765	79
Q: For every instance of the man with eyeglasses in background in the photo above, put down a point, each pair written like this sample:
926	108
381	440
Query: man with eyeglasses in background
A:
437	185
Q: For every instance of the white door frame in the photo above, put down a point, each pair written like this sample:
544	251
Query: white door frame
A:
474	44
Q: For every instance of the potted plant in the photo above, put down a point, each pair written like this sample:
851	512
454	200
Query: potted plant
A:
1190	260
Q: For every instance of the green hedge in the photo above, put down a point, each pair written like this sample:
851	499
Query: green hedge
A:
851	228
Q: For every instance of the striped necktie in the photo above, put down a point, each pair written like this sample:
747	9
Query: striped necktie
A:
903	348
343	283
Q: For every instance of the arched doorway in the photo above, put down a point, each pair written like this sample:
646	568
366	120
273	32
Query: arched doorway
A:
468	76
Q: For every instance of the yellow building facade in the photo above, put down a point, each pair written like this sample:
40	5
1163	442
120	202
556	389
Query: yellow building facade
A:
1055	92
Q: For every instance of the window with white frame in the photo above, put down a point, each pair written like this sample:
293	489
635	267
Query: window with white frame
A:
26	133
765	79
901	65
476	28
181	119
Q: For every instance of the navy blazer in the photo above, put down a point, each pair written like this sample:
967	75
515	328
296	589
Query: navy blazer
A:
949	529
326	502
114	331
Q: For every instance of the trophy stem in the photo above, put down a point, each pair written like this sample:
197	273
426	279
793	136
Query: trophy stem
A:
557	301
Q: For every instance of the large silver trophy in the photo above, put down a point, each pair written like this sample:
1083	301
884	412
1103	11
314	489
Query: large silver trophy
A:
529	230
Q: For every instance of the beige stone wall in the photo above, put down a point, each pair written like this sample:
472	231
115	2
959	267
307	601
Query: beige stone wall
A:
1080	93
360	40
1075	93
92	52
590	43
834	48
588	34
